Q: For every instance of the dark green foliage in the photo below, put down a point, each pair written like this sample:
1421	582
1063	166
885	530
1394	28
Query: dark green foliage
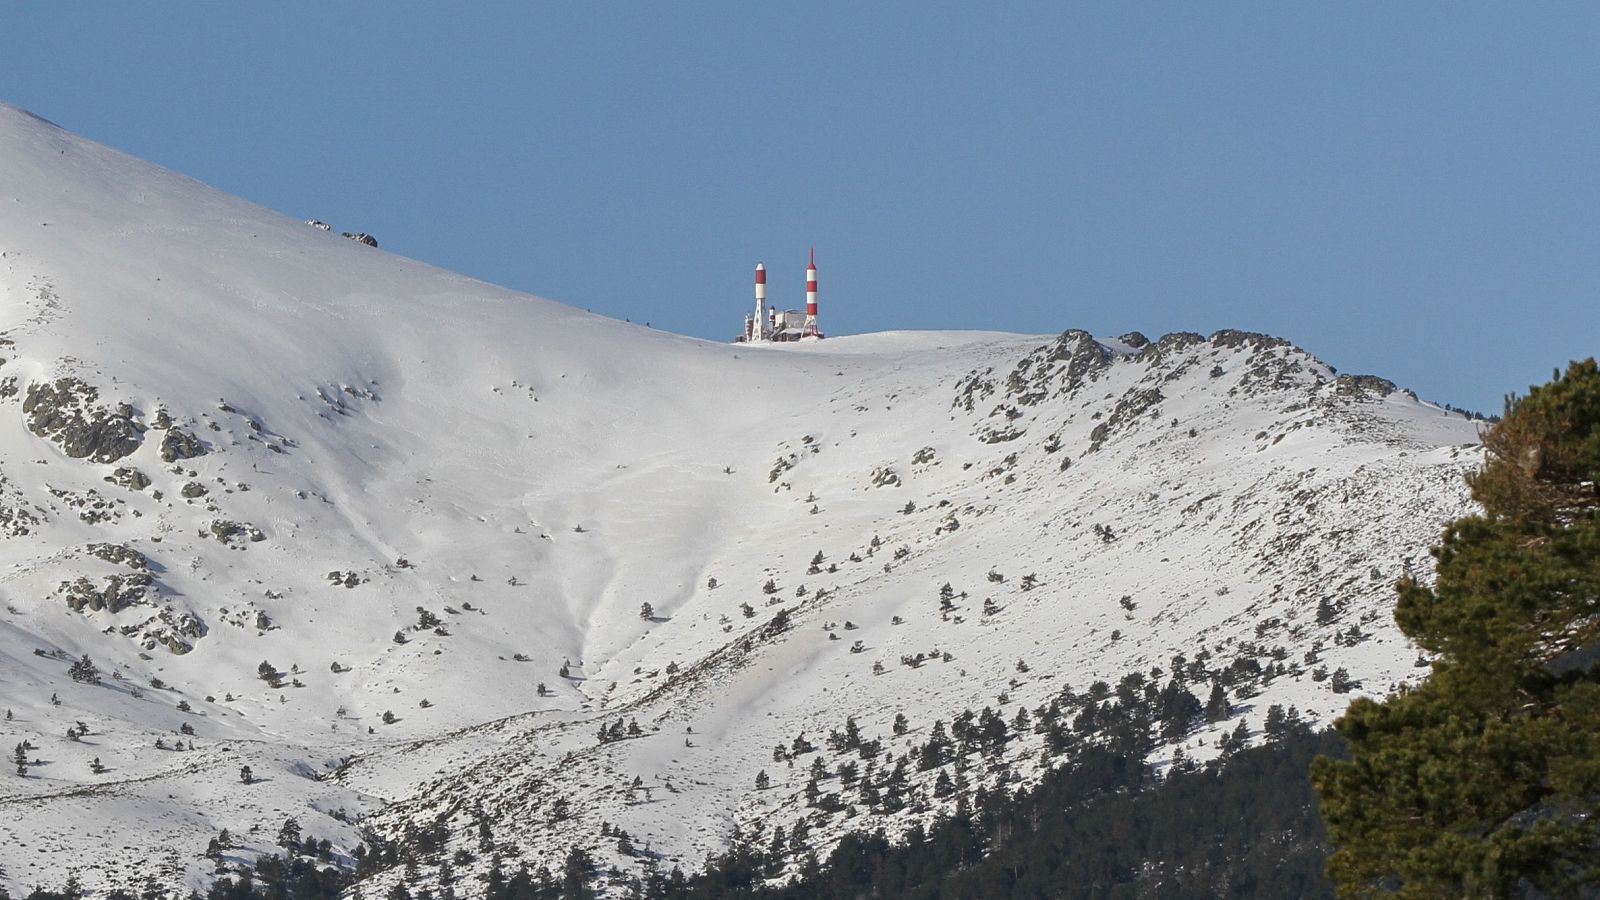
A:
1482	781
275	878
1100	827
84	671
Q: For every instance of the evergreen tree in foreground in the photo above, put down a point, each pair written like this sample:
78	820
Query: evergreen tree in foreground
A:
1483	780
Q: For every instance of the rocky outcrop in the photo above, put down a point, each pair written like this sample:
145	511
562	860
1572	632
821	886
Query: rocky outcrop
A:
168	629
361	237
179	444
66	412
119	554
113	593
234	533
1232	338
1168	346
1137	403
129	477
884	476
1363	386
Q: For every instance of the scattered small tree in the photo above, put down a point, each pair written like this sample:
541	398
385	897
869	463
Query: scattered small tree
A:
289	835
84	671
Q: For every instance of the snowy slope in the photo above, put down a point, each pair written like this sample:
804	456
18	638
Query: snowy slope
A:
334	446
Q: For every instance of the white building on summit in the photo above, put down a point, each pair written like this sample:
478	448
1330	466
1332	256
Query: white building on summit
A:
768	324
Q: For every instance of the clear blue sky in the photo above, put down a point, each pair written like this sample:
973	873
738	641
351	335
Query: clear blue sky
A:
1410	189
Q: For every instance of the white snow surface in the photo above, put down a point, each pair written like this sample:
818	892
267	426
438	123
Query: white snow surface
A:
543	472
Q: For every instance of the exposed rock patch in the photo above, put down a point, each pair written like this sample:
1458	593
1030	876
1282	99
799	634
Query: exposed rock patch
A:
179	444
234	534
119	554
1363	386
92	506
1168	346
66	413
1133	405
170	629
1234	339
113	593
884	476
128	477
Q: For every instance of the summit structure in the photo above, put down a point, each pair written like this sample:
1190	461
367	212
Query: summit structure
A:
767	324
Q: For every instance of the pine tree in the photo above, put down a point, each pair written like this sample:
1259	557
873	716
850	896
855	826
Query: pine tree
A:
1326	611
289	835
1274	727
1217	706
84	671
1478	781
576	871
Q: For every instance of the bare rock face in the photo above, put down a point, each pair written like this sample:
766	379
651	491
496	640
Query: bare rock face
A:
179	444
361	237
66	413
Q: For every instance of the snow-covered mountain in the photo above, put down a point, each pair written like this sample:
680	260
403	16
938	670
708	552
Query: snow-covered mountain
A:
384	535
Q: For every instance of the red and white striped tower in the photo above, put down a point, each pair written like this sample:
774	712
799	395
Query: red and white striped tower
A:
761	329
811	295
